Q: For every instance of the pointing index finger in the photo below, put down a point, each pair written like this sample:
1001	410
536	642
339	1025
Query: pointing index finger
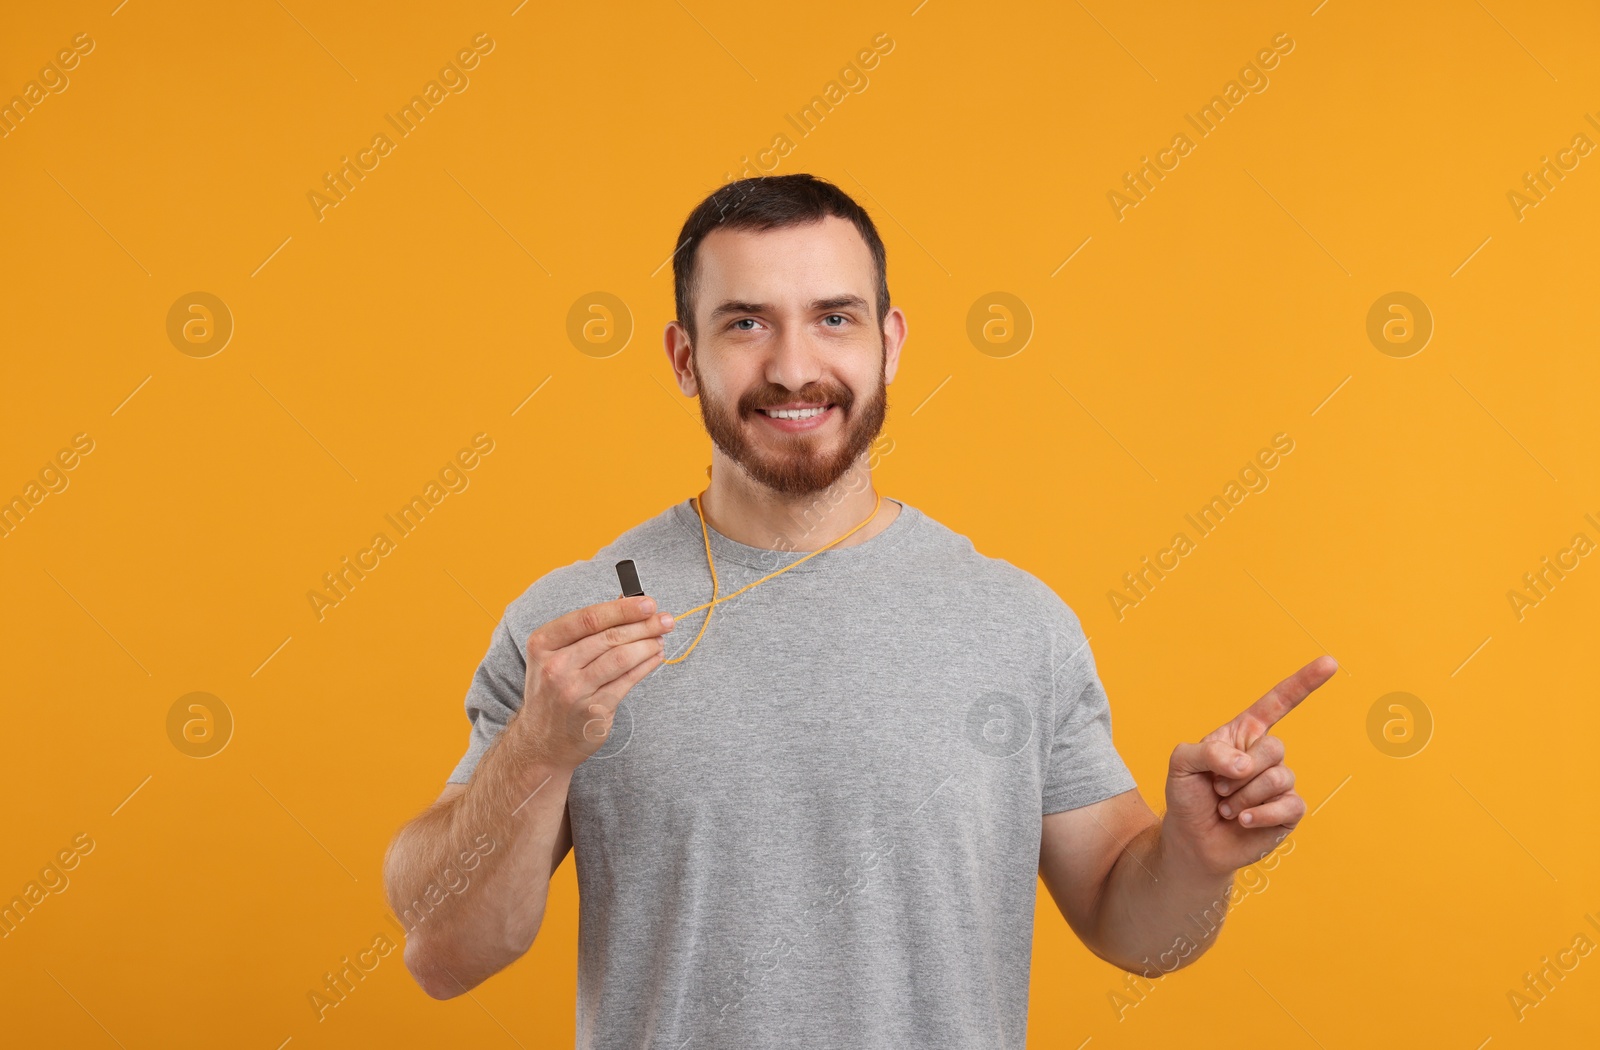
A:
1284	697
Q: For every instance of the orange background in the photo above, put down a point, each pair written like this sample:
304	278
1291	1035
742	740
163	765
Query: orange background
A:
372	343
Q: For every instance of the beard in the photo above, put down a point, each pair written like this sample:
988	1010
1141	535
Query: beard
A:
795	464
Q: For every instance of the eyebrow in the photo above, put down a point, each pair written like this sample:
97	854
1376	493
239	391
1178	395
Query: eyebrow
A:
837	302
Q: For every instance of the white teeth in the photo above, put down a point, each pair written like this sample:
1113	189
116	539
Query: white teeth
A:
794	413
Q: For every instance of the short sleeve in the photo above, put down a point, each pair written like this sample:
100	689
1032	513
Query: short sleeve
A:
1084	766
493	697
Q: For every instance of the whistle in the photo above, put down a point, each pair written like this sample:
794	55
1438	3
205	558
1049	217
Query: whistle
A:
628	576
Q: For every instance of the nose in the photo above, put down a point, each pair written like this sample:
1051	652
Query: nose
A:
793	363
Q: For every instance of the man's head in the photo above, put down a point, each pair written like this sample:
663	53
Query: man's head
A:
783	300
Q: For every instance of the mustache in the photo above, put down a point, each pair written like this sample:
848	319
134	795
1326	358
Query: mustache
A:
771	396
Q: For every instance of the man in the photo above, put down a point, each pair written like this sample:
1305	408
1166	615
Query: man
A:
813	814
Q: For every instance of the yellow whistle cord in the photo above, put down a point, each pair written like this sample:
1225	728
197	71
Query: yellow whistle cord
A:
714	584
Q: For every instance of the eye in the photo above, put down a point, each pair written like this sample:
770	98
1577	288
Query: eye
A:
741	321
841	317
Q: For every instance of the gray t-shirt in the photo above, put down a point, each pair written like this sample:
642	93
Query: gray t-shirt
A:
822	828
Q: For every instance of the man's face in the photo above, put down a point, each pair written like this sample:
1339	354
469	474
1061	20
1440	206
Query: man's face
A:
785	320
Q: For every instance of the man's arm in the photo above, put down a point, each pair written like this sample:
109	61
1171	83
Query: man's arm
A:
1128	883
513	812
1126	897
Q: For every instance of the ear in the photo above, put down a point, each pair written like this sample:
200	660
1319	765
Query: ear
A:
894	337
679	349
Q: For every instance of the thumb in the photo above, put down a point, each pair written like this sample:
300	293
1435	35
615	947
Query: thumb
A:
1209	756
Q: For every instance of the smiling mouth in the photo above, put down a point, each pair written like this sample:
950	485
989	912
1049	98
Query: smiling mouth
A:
794	413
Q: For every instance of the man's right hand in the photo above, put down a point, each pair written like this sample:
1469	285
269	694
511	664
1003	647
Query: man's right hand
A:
580	666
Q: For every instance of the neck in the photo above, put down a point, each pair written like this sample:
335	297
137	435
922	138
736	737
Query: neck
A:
750	513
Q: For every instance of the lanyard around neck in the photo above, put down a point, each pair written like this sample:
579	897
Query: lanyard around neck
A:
714	585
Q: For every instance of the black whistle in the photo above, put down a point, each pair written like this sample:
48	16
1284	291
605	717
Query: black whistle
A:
628	576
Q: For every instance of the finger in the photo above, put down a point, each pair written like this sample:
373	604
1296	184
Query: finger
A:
615	662
611	694
1208	756
586	650
1271	783
600	712
591	619
593	717
1283	811
1264	754
1283	698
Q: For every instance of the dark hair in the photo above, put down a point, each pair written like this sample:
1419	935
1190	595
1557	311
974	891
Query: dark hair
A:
763	203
